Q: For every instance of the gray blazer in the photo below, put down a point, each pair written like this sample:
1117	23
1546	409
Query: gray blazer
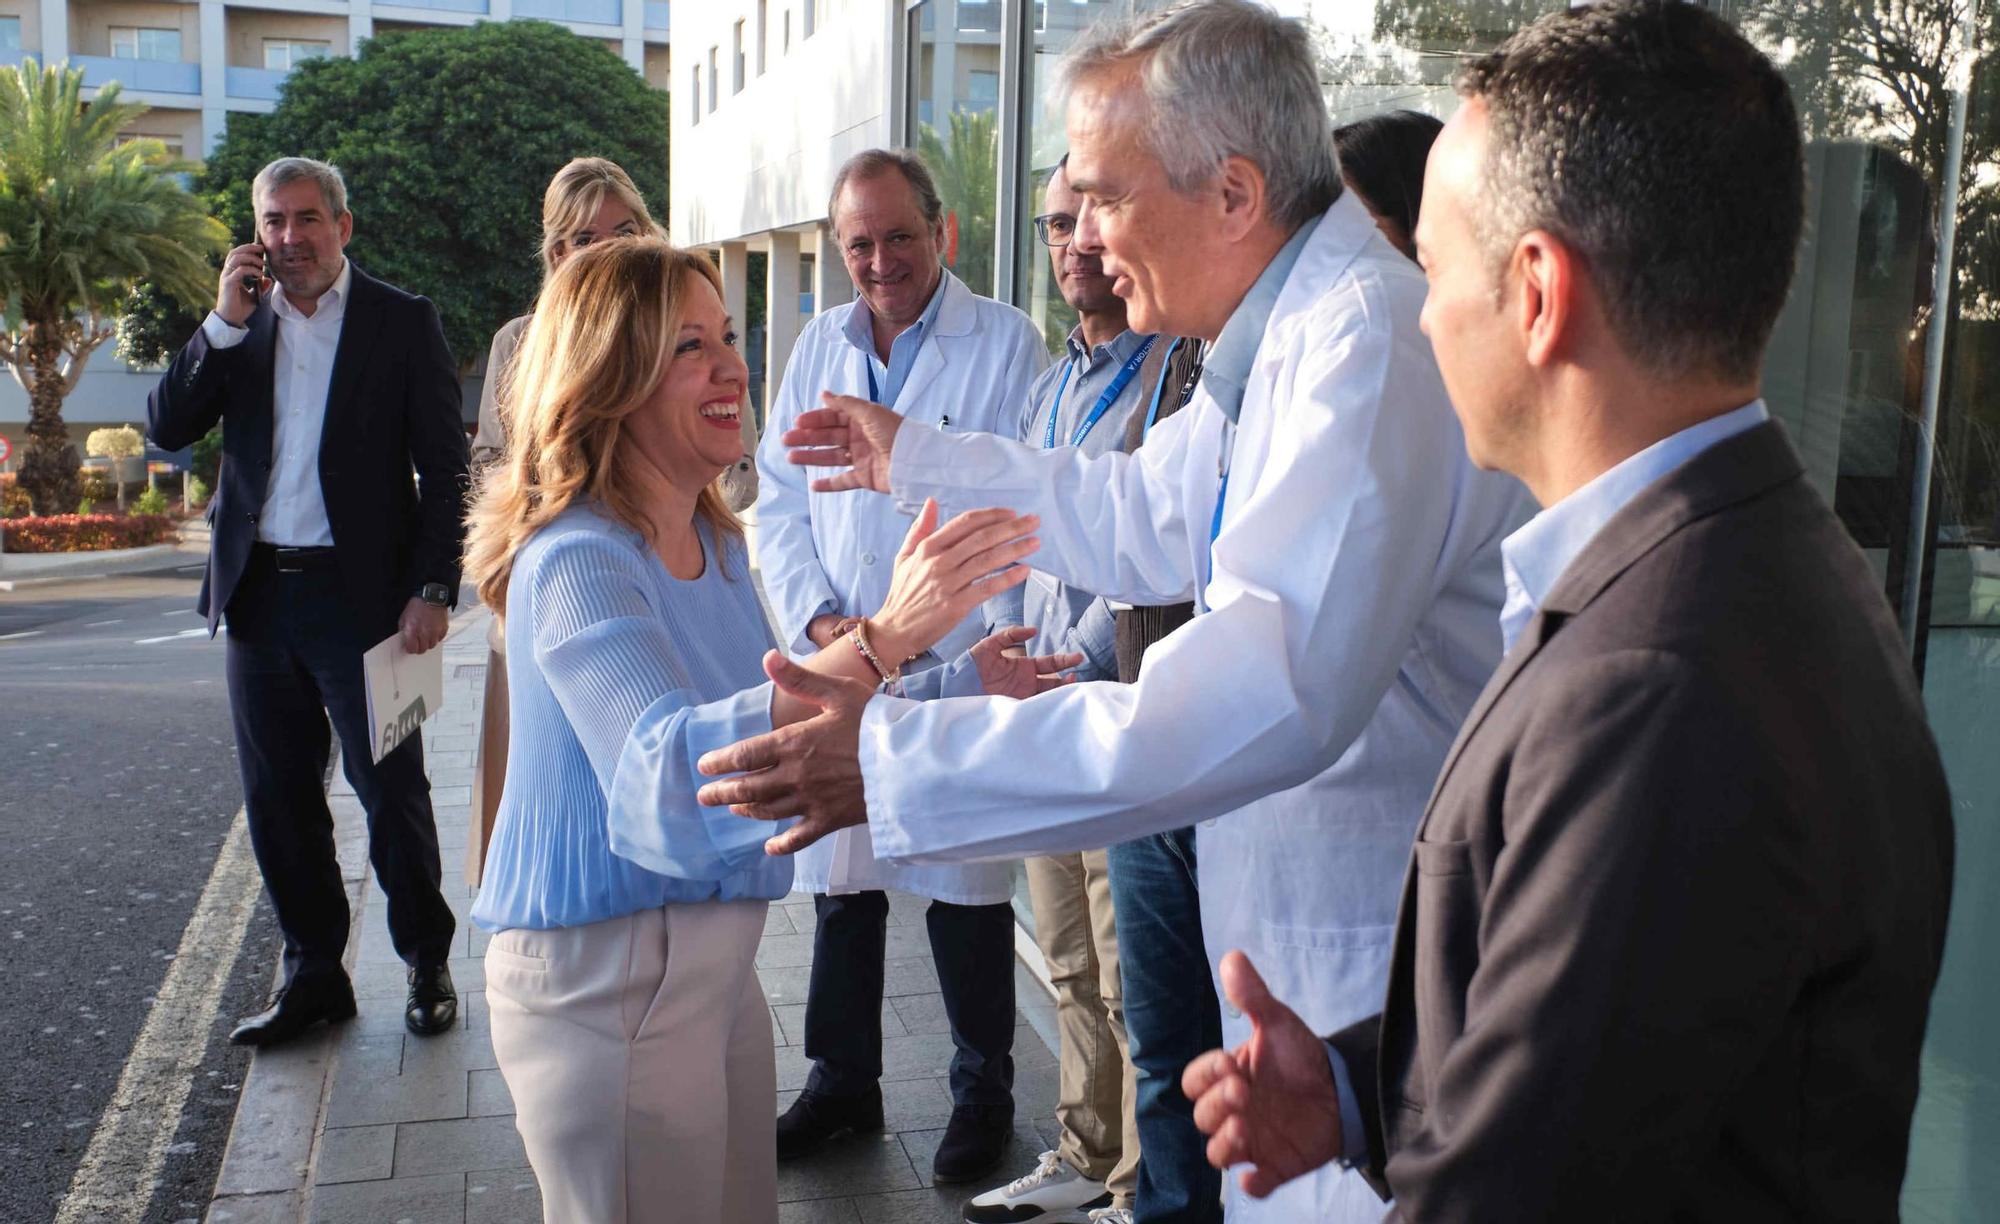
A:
1669	933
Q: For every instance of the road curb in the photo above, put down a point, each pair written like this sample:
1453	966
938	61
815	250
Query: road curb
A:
87	566
267	1166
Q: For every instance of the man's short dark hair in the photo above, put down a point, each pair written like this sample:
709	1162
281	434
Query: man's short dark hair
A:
872	163
1665	149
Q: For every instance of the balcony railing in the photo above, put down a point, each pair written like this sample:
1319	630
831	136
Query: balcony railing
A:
449	6
656	14
602	12
154	76
254	82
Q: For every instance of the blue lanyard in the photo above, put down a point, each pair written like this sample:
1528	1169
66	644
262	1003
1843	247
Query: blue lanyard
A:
1221	497
874	395
1104	402
1153	411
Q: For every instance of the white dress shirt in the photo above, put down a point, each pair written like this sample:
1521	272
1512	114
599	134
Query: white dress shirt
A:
971	368
294	510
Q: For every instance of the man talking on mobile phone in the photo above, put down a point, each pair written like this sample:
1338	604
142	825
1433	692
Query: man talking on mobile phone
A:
333	389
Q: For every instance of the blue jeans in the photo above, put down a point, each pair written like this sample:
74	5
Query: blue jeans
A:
1170	1017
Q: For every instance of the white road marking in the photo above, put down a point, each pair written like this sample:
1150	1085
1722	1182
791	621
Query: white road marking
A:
99	624
171	637
115	1182
179	612
27	633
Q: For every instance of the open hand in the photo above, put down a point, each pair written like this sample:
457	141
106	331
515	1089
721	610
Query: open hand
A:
848	432
943	573
810	768
1271	1102
1015	674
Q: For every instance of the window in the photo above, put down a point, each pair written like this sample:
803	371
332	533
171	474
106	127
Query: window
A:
808	18
285	54
958	137
763	34
736	57
982	91
143	43
694	109
10	34
713	73
174	145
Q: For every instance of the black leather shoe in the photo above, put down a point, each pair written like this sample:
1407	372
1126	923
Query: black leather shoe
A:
974	1141
814	1119
297	1007
433	1003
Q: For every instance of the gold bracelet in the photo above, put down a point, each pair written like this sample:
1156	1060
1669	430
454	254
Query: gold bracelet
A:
860	640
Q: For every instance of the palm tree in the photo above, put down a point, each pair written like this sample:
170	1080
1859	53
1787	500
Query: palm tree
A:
83	220
967	166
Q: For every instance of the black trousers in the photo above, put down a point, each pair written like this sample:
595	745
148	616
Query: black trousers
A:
294	664
973	946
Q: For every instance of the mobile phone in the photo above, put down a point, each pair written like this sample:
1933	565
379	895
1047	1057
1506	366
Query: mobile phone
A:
253	283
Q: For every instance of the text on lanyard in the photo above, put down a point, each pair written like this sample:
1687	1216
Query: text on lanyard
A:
1104	402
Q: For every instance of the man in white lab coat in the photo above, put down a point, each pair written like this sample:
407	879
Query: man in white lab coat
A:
957	363
1315	498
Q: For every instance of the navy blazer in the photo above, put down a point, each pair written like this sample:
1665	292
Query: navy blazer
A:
392	453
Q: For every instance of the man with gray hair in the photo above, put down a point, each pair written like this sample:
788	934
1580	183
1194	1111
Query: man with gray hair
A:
332	388
1315	499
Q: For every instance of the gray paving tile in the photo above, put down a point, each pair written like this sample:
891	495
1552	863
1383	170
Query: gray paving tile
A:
917	1104
355	1153
359	1100
792	1018
778	921
459	1046
862	1164
280	1208
1019	1158
487	1095
390	979
504	1196
461	1145
819	1211
401	1200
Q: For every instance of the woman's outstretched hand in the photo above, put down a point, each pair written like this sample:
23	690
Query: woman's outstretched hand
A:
1020	675
943	573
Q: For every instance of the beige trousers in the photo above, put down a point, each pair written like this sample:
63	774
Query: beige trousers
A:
639	1054
489	761
1097	1086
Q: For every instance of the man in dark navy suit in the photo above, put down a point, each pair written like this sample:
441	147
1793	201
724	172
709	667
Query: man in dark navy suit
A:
333	388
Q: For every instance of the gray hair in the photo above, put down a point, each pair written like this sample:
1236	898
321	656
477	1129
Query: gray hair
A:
871	163
1224	78
332	188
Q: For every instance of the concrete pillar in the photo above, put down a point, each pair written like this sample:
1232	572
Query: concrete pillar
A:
55	32
214	74
500	10
739	484
781	296
634	48
831	287
360	25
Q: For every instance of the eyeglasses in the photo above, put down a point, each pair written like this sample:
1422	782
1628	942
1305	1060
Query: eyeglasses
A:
1055	229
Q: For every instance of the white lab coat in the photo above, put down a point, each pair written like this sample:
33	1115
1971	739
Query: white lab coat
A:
836	552
1355	600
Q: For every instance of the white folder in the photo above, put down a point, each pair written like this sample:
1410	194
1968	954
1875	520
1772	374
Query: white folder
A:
403	690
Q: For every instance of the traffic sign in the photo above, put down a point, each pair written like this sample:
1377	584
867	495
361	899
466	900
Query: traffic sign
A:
6	449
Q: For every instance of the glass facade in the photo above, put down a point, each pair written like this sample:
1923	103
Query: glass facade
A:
1885	366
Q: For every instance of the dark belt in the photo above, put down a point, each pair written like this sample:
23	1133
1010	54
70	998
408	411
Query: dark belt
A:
289	560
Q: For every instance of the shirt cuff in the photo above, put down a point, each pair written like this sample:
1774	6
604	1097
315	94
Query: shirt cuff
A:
1353	1139
222	333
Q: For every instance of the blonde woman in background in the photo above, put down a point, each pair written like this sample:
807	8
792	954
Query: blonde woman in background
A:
626	1015
588	200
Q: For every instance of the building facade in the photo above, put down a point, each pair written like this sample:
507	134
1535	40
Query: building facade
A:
1885	367
197	63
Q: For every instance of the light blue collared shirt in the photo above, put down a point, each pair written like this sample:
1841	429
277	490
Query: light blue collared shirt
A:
1225	370
890	376
1537	554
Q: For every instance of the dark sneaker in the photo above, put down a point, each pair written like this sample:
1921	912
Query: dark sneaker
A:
813	1120
973	1143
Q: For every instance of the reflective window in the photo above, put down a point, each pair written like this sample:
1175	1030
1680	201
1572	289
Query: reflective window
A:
10	34
958	134
285	54
141	43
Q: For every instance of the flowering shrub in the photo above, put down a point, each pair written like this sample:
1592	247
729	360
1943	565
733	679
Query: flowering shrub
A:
86	532
14	501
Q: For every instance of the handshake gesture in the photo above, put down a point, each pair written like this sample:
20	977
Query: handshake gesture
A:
847	432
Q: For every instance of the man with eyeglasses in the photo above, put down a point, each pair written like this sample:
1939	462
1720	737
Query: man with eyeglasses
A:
1100	397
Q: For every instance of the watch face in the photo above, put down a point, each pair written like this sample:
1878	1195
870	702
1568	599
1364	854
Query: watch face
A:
436	594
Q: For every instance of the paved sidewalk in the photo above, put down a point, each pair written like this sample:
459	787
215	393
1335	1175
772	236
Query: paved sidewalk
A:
367	1123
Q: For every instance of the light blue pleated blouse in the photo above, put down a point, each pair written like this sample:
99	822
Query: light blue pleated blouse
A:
619	677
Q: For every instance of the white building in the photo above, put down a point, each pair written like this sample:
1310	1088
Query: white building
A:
195	64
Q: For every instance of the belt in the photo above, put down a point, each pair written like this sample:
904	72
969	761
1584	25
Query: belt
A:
288	560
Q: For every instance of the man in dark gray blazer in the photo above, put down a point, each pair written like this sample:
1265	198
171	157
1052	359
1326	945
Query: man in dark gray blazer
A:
1669	934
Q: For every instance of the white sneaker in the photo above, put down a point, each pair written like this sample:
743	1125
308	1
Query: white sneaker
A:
1111	1215
1052	1189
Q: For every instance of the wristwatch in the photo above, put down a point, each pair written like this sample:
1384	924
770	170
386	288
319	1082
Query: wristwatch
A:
436	594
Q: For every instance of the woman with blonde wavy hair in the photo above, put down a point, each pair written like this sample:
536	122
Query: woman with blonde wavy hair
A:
589	199
626	1016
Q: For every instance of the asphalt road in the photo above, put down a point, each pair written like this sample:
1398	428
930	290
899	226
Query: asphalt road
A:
117	785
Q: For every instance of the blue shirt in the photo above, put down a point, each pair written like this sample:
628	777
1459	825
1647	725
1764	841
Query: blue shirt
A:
622	676
1225	369
1536	555
889	377
1532	559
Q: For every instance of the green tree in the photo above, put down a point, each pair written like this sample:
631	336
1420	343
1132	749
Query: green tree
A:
447	139
83	219
966	163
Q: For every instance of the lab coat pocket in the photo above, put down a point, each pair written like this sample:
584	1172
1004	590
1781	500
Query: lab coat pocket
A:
1332	976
